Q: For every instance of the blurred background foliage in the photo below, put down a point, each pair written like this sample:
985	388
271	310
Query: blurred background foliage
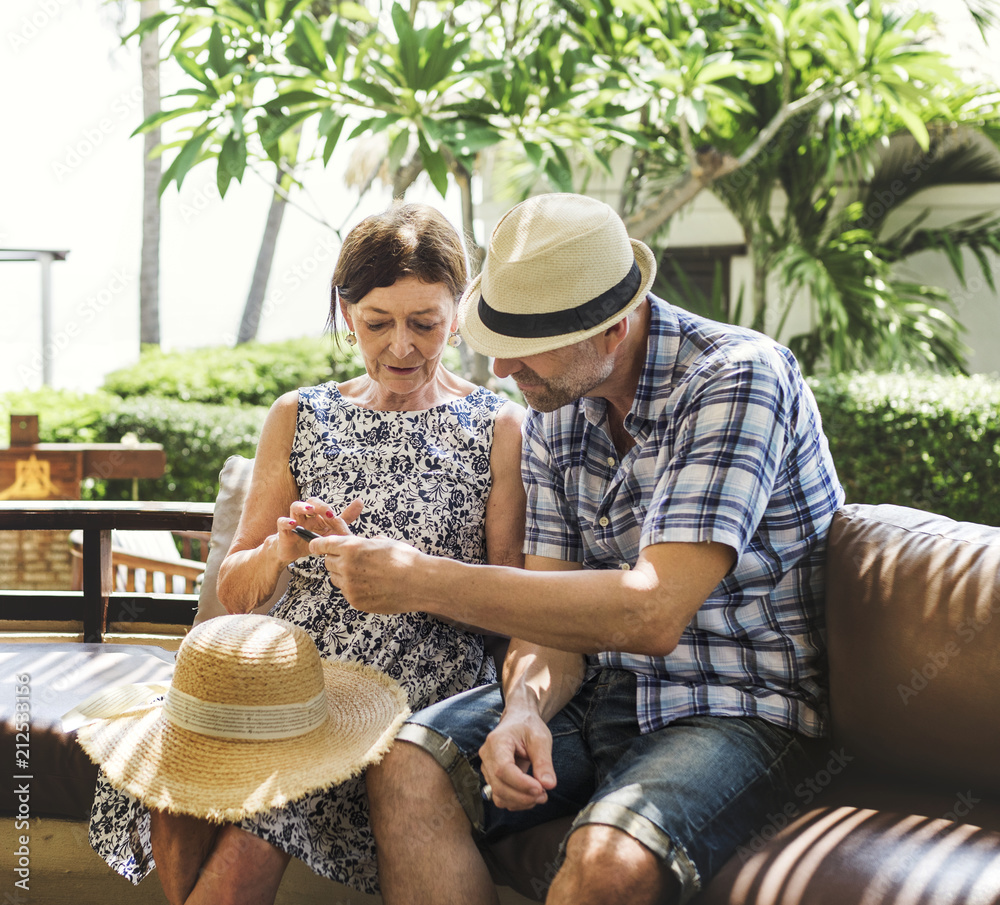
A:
813	121
929	441
922	440
251	374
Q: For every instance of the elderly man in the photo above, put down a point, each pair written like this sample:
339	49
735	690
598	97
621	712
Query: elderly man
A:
666	678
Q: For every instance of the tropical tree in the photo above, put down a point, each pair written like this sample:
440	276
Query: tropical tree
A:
756	100
149	267
262	70
149	255
782	111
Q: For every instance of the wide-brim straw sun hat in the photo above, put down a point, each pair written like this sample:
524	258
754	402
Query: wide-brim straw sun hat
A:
559	269
253	718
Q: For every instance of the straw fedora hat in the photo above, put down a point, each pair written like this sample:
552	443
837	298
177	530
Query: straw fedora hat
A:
559	268
252	719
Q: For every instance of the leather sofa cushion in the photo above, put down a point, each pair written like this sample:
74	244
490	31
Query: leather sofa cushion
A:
842	855
914	644
62	674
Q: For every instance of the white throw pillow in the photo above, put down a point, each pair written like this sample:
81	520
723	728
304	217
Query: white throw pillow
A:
234	482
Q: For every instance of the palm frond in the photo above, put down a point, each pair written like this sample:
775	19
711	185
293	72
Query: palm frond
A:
985	14
688	295
959	155
979	235
863	316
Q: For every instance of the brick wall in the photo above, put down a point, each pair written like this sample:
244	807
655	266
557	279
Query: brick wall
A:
35	561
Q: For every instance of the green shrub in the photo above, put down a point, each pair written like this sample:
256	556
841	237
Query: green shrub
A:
196	437
252	374
927	441
63	416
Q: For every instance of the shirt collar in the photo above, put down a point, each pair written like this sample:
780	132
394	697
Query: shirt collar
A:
662	345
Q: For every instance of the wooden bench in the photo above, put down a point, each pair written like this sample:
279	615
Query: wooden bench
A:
150	560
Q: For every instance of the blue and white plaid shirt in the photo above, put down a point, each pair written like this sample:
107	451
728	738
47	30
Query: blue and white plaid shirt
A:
729	448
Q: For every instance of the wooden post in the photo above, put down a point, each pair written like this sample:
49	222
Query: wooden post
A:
23	430
98	582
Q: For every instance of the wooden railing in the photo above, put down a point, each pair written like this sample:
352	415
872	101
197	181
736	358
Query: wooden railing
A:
98	604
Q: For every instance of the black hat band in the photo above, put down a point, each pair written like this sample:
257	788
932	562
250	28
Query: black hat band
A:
572	320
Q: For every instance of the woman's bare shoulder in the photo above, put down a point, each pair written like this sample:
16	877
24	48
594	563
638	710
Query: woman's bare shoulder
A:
510	416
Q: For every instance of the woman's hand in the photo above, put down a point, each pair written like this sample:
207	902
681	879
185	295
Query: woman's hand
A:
316	515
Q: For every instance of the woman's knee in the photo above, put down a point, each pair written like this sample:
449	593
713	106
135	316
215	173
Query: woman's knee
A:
180	845
242	868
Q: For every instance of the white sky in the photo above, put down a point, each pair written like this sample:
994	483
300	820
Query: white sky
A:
71	179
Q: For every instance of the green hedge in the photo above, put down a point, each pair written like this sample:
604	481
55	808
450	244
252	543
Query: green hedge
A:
252	374
927	441
202	405
196	437
64	416
930	442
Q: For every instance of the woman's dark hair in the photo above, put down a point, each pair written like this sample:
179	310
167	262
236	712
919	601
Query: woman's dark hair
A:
407	240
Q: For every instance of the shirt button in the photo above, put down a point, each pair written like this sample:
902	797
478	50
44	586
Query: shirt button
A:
604	521
625	567
611	460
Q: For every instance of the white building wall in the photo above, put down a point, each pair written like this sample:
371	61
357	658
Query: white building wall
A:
977	307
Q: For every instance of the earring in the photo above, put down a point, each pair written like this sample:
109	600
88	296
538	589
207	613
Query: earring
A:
455	340
351	339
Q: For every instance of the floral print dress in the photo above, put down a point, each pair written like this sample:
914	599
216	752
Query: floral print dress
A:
424	478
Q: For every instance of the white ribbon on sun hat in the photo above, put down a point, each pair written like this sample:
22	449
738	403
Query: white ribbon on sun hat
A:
559	269
253	718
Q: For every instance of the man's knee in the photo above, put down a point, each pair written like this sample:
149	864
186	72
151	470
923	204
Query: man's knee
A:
604	864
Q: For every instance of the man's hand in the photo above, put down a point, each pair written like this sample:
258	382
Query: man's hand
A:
373	574
517	761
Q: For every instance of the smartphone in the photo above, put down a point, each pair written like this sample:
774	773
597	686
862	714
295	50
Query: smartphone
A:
305	532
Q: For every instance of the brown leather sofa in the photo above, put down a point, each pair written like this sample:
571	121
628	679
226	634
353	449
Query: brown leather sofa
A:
903	810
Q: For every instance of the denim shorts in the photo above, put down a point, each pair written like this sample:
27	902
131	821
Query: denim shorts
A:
690	792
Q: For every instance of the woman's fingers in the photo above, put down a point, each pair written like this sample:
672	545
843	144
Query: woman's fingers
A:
318	516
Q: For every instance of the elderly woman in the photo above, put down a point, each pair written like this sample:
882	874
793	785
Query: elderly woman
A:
407	450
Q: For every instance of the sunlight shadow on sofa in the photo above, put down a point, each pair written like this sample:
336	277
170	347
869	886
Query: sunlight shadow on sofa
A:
832	856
